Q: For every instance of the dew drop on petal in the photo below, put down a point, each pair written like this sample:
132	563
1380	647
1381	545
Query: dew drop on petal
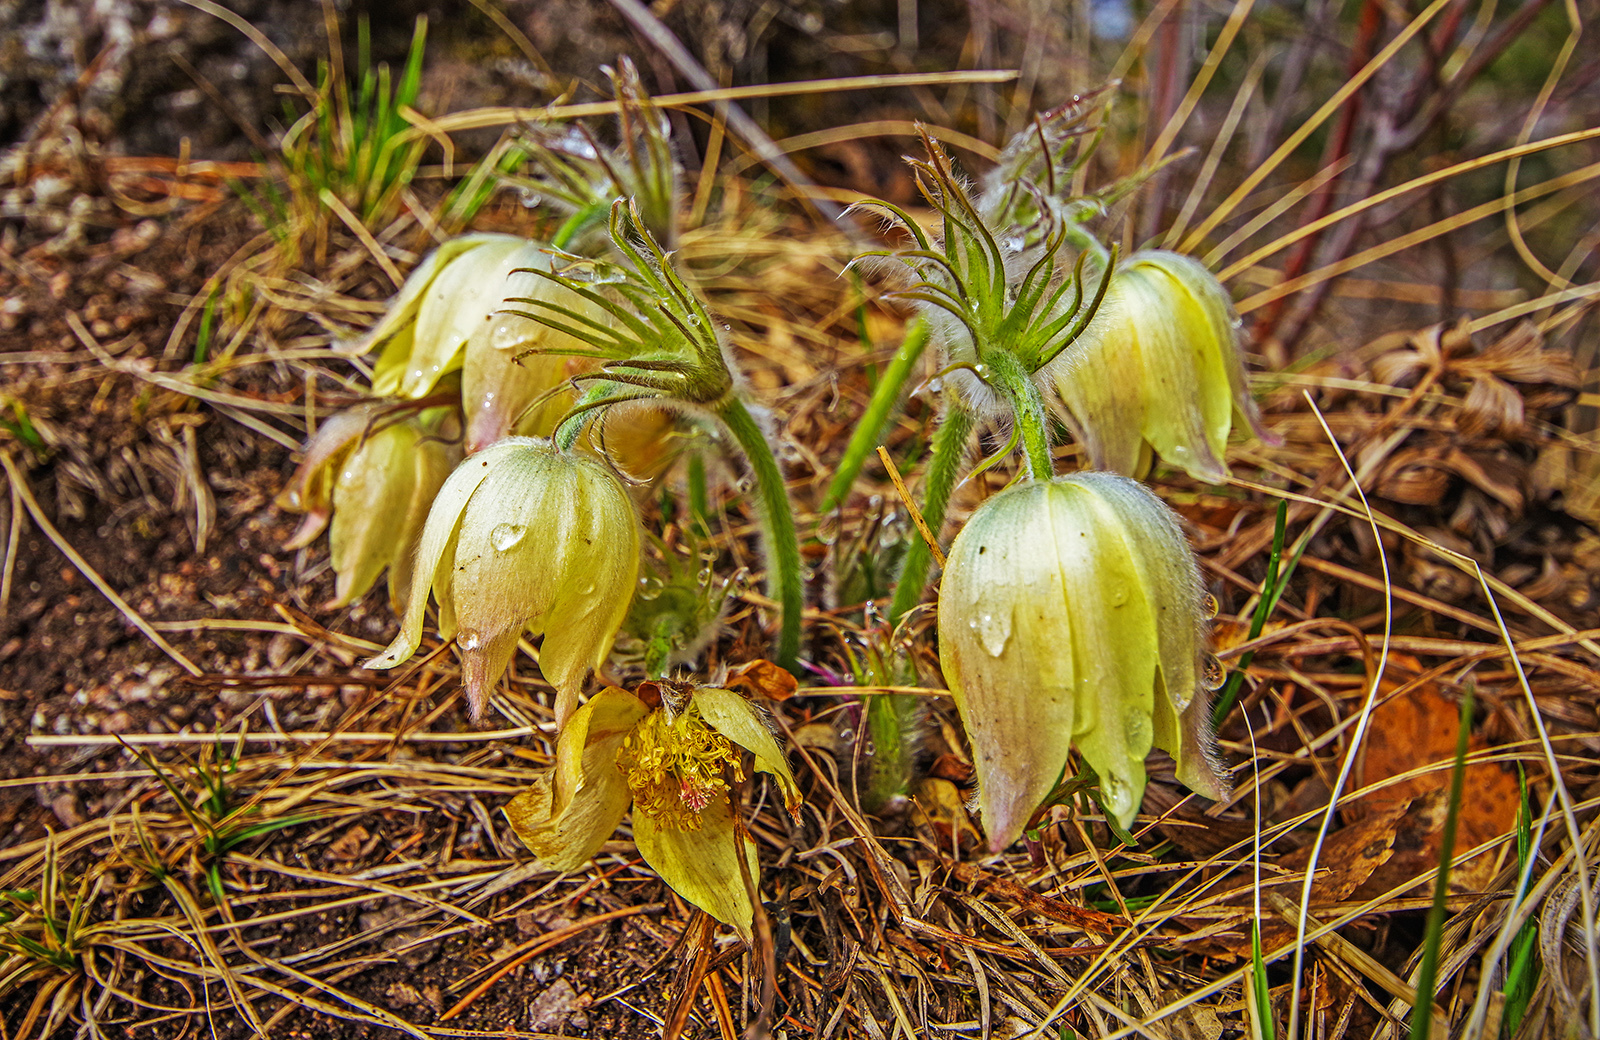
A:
468	639
506	334
1213	675
994	630
1209	606
504	536
1114	791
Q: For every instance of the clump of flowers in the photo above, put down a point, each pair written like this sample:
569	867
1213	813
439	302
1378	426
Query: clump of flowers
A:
524	537
1070	614
673	752
1158	371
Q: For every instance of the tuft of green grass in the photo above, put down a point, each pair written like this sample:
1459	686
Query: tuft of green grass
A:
354	146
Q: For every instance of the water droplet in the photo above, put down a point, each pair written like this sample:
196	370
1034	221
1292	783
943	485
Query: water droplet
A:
649	587
468	639
994	630
530	199
1014	243
1119	595
508	334
1212	674
587	590
872	617
704	576
1114	791
828	529
504	536
935	386
1209	606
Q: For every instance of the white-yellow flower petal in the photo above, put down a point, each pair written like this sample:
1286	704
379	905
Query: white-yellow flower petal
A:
570	810
737	719
402	310
702	865
461	300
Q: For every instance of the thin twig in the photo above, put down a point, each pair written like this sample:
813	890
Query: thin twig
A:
20	485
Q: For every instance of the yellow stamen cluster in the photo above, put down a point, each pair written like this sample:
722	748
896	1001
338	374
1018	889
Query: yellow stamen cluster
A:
676	767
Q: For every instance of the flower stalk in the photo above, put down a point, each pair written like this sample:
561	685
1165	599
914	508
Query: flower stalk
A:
657	342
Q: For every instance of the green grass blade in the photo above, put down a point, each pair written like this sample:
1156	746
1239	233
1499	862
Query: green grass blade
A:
1427	979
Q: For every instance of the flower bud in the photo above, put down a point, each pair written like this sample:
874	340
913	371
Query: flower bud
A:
525	537
1070	614
1158	369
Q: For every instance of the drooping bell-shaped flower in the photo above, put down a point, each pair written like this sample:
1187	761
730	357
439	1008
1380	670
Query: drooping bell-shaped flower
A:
1070	614
1157	370
381	500
524	537
375	477
674	763
514	367
450	316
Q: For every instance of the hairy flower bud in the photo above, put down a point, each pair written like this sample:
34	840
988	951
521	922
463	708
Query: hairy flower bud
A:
1070	614
1158	369
525	537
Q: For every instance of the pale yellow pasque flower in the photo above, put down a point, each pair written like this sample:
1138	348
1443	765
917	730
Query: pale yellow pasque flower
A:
674	764
1070	614
1157	370
451	315
525	537
377	482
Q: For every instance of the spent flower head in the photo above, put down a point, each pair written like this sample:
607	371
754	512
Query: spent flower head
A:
1070	614
1158	371
525	537
673	754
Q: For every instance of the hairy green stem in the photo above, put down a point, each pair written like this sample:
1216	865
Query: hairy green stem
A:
944	465
875	421
1027	407
777	526
891	722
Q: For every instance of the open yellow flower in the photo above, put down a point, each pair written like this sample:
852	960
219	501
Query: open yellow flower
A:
1070	614
675	765
525	537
